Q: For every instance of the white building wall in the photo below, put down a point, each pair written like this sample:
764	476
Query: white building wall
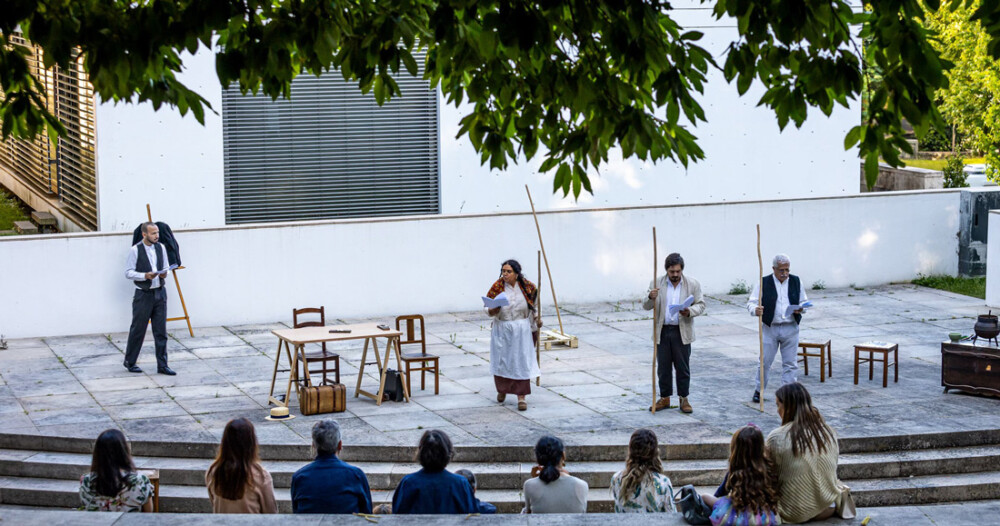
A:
158	157
993	261
746	156
176	165
255	274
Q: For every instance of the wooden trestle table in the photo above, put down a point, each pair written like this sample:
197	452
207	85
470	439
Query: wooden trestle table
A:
298	338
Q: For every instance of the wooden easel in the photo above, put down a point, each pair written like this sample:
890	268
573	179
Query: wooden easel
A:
548	338
185	317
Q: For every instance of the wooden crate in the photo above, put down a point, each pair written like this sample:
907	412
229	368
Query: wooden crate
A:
553	338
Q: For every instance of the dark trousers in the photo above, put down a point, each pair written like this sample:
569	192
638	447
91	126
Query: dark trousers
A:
148	305
671	353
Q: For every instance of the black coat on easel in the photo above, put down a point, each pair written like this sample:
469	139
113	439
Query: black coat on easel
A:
168	240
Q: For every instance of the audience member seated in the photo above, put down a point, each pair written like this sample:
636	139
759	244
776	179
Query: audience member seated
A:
237	482
554	490
484	508
642	486
113	484
328	484
433	489
749	495
804	450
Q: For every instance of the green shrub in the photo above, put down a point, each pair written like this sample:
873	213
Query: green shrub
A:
739	287
954	173
10	210
819	285
975	287
935	141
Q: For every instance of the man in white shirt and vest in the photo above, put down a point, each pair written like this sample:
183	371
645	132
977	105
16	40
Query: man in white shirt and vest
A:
147	266
674	332
781	332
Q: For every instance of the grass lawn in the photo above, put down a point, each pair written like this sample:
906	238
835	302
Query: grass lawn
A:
939	164
10	210
975	287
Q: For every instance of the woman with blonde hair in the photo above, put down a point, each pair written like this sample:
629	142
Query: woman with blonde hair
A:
805	451
237	482
749	493
642	486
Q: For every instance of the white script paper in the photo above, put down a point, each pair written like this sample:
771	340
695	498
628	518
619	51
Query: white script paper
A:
497	302
792	308
168	269
674	309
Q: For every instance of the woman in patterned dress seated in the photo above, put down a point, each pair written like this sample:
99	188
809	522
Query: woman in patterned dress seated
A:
113	483
642	486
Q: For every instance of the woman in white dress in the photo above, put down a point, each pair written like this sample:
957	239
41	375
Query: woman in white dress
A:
512	348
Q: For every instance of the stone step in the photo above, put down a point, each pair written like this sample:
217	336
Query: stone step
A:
514	453
506	475
26	491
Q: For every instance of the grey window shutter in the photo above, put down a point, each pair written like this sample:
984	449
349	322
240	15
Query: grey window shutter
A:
331	152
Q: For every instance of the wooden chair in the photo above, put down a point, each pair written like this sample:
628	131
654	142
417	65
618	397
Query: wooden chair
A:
322	357
428	362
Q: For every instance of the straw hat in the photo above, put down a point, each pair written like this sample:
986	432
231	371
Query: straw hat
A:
279	413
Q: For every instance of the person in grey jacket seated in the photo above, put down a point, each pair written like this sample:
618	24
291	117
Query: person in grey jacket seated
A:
554	490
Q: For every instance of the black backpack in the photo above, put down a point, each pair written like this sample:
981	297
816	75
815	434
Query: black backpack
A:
393	386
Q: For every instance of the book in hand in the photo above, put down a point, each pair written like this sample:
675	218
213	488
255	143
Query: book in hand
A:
792	308
674	309
168	269
497	302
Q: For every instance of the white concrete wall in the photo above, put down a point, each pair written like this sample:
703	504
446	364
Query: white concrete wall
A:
176	164
74	283
158	157
993	261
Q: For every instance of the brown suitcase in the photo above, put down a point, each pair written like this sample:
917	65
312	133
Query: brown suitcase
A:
321	399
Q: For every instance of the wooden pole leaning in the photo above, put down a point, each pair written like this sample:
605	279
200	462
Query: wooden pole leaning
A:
185	317
760	319
538	307
548	270
655	303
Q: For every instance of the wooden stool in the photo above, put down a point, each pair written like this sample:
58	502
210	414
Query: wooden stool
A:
883	349
825	358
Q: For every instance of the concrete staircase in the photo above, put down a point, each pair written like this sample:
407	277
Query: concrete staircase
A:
882	471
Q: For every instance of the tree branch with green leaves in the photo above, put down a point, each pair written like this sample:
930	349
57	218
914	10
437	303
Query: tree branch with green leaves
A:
568	80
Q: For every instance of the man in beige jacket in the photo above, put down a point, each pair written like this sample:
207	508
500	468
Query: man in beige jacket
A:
674	332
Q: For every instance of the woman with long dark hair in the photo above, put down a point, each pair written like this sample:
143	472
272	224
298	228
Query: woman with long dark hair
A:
642	486
805	451
113	484
750	491
512	348
433	489
237	482
554	490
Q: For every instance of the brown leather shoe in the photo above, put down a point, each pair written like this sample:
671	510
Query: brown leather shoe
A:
685	406
662	403
522	405
501	397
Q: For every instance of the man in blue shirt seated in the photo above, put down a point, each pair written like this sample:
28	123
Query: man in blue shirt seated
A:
328	484
485	508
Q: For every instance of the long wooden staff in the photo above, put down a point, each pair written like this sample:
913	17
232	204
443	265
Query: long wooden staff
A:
538	306
546	258
656	302
760	319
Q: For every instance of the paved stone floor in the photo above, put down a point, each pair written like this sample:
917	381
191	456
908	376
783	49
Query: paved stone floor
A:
595	394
